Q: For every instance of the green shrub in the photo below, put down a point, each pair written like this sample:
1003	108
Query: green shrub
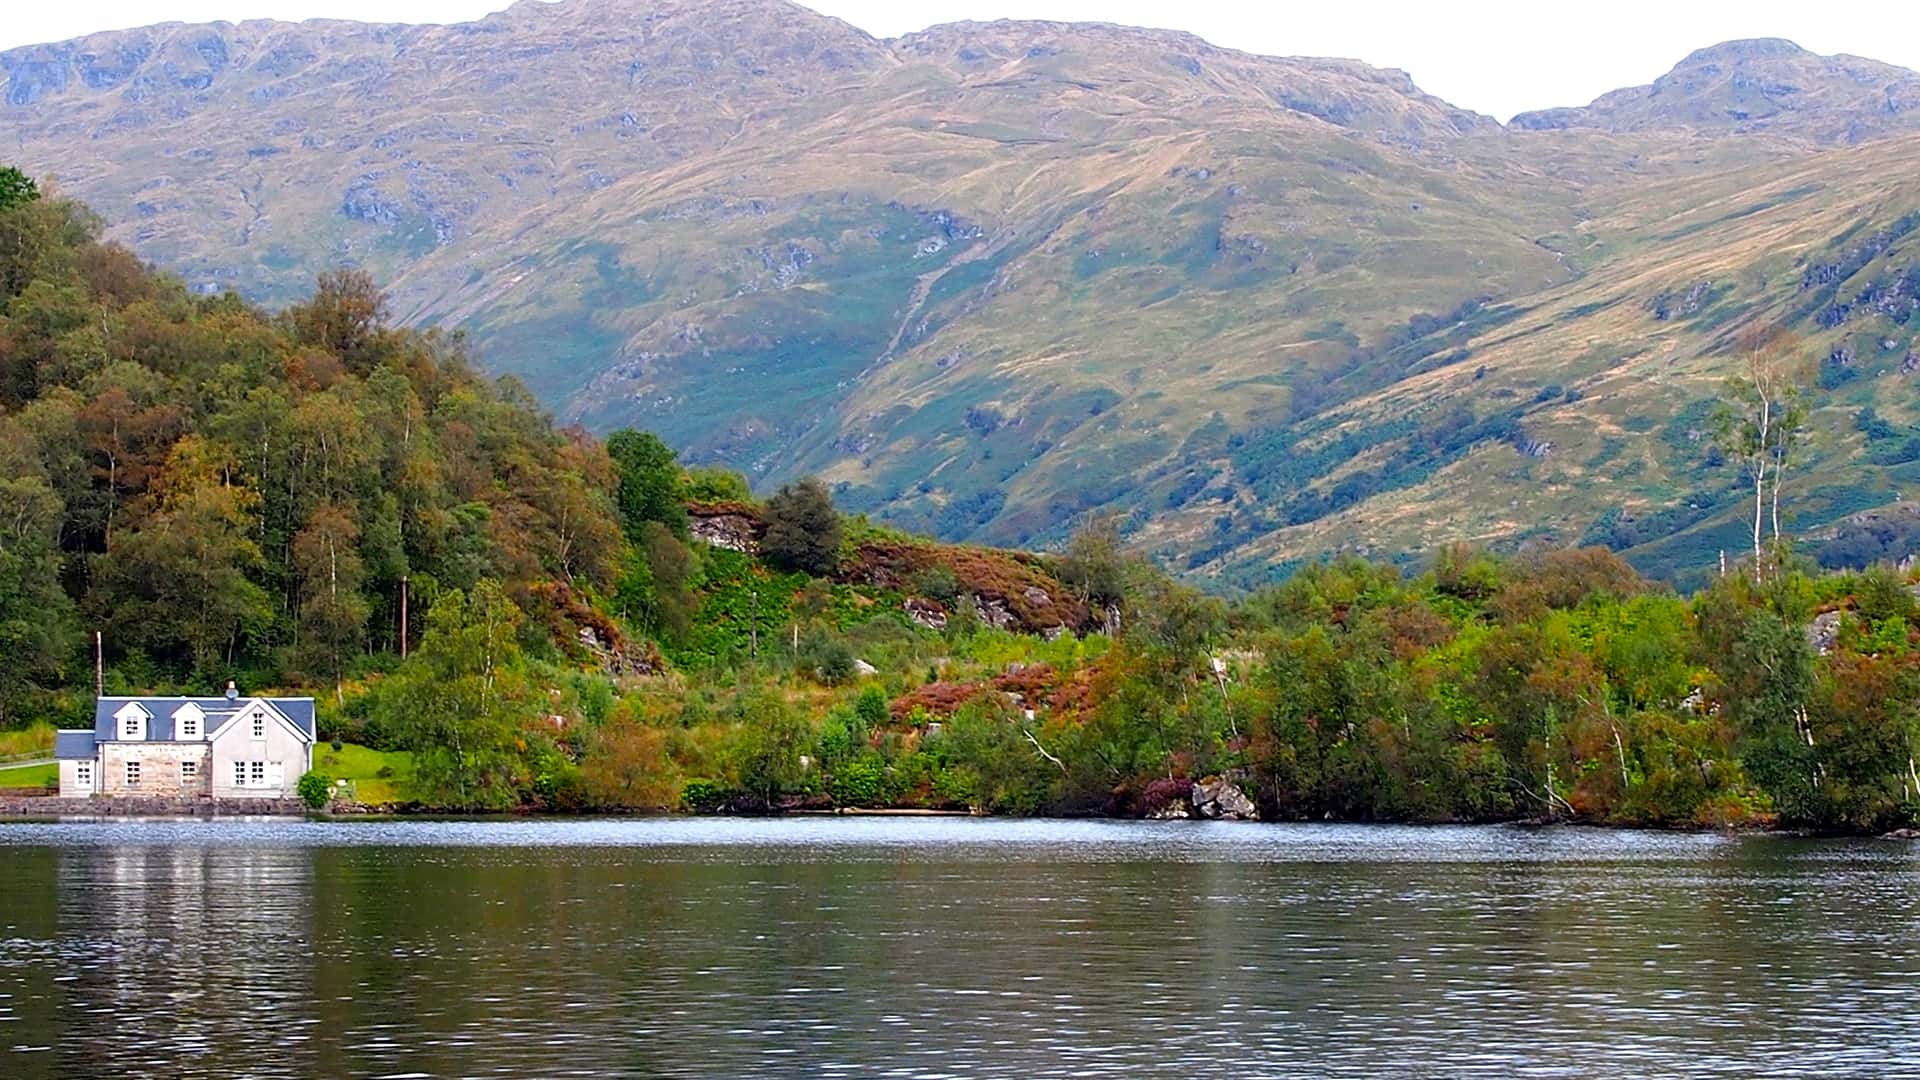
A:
871	707
861	782
316	790
702	796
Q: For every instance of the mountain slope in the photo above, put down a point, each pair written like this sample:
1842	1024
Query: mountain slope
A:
989	277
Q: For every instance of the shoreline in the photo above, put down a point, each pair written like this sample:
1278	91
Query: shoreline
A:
95	815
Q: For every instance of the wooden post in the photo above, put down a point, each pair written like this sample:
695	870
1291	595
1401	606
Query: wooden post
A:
403	617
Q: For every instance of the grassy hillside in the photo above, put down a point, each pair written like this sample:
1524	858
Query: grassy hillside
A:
990	278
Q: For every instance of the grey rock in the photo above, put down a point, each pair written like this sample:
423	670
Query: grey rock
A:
1824	633
1221	799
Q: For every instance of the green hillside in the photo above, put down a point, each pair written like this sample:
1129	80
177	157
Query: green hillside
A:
990	279
498	615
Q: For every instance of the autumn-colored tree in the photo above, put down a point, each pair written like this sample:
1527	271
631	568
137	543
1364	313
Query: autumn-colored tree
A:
184	584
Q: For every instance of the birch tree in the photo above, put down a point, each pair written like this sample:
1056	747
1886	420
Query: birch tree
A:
1760	423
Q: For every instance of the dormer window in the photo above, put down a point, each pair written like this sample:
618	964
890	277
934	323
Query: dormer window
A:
189	723
131	722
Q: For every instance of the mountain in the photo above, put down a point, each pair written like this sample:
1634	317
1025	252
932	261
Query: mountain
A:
989	278
1767	85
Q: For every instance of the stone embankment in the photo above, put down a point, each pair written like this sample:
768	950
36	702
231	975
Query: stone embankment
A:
46	806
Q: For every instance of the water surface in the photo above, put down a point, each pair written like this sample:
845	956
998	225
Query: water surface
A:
948	948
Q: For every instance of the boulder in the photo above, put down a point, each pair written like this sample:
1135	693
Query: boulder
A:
1221	799
864	669
926	613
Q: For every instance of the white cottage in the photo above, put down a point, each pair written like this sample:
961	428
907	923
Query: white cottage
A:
178	747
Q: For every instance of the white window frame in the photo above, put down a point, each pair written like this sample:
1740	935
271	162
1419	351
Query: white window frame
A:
189	771
83	775
133	772
256	774
131	722
189	723
239	774
259	724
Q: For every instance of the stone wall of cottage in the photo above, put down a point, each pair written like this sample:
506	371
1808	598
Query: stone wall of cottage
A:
160	772
50	807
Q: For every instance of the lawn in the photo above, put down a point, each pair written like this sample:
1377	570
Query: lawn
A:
362	765
30	776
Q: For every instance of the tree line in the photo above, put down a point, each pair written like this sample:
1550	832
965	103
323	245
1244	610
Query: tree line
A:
319	499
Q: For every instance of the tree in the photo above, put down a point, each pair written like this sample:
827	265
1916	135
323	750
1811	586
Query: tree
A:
461	703
712	484
655	590
769	742
649	486
1095	564
803	528
184	585
333	612
346	316
16	188
36	617
1759	425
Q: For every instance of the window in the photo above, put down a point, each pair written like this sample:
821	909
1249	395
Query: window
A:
189	771
133	774
257	773
133	722
83	774
186	723
239	774
259	725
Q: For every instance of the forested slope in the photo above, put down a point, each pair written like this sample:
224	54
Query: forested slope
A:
224	493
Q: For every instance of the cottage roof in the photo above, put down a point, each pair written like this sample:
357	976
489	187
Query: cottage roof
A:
218	710
73	745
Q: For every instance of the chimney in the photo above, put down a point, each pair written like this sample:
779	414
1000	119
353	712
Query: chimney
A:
233	692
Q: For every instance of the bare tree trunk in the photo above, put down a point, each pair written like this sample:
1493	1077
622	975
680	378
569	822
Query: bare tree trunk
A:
1043	751
1760	478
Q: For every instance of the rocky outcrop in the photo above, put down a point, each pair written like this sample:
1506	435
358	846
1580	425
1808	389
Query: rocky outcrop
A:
1824	632
1220	799
926	613
730	526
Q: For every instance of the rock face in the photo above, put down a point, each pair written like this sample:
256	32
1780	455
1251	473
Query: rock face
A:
734	532
1221	799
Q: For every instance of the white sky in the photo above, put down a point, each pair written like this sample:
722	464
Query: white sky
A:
1495	56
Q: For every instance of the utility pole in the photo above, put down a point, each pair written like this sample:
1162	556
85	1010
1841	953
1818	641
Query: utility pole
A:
99	666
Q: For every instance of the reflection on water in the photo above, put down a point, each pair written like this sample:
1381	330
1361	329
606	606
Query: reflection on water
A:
935	947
